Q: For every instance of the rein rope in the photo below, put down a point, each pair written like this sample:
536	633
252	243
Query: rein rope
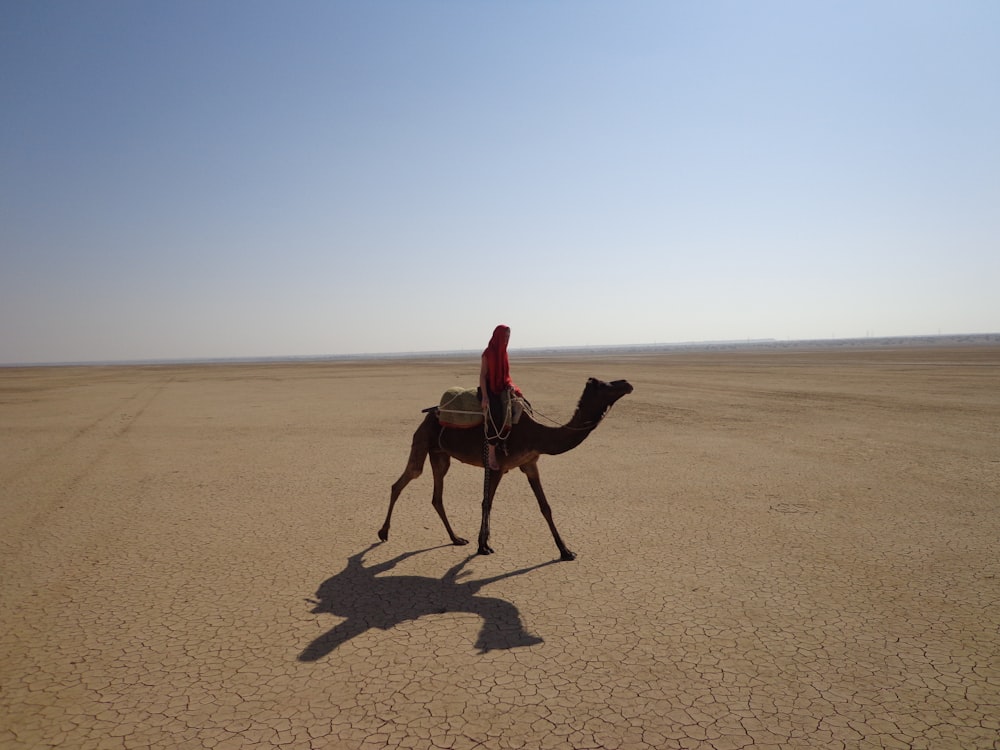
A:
533	412
588	425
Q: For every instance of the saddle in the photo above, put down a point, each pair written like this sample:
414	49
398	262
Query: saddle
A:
460	408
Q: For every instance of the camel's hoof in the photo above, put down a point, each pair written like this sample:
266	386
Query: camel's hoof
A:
485	550
383	534
567	555
459	542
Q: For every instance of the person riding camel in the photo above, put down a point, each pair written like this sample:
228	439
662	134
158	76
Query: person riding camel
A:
495	391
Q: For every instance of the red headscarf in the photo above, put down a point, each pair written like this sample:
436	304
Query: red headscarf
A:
497	364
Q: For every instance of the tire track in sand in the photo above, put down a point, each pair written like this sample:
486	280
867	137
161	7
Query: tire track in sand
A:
34	490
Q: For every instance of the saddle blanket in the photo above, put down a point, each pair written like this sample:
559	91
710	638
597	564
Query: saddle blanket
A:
459	407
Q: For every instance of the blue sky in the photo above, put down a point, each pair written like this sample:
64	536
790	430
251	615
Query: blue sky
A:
239	178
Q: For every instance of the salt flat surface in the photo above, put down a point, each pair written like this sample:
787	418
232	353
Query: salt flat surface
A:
785	549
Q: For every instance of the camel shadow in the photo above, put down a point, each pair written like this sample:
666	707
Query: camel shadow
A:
366	600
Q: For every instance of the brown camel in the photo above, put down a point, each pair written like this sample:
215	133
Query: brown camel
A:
528	440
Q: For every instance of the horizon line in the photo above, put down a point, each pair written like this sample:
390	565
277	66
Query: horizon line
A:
706	345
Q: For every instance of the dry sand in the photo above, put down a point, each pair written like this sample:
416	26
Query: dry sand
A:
776	550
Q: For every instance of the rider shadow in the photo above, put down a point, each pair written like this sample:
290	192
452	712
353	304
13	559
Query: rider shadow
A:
368	601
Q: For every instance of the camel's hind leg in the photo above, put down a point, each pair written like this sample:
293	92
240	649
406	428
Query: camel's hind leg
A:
414	468
531	471
409	474
440	463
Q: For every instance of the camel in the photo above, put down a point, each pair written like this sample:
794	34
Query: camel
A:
528	440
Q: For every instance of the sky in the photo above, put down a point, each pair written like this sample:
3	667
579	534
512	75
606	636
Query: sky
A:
238	178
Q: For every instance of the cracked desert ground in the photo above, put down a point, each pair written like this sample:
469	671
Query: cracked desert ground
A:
776	549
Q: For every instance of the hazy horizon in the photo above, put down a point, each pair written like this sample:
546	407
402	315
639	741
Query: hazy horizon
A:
186	181
859	343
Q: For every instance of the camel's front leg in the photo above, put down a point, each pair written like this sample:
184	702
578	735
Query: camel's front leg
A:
492	479
531	471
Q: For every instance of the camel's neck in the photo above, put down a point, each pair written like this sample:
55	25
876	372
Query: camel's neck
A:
587	416
570	435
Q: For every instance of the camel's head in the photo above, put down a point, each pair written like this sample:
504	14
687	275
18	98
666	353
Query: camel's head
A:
605	394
